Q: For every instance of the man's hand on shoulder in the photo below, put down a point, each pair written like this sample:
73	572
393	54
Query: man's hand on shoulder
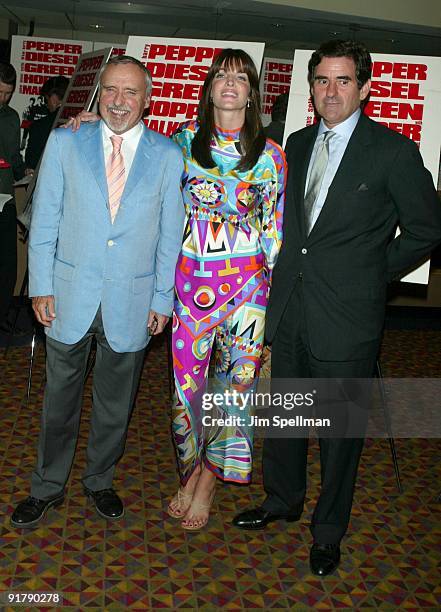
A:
156	323
44	309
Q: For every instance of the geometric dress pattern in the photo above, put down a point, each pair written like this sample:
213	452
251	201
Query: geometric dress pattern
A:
231	241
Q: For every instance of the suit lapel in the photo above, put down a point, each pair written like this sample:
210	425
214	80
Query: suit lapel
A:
352	165
140	165
92	146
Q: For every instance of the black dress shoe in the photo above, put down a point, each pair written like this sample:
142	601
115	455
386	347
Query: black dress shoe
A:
107	503
29	512
324	558
259	518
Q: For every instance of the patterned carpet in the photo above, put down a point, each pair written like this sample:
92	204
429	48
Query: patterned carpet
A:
391	556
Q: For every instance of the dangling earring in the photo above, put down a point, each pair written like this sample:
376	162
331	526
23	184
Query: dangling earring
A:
248	103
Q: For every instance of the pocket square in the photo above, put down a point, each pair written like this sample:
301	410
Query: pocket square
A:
362	187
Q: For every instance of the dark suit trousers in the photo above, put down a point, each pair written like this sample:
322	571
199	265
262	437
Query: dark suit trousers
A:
115	382
285	459
8	257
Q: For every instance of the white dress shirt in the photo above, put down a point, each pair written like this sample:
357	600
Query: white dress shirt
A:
129	144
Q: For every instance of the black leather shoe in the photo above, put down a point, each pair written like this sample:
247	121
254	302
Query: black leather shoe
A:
259	518
324	558
29	512
107	503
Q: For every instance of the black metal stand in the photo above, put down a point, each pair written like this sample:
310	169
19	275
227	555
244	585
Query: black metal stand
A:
388	425
17	308
34	339
89	368
31	366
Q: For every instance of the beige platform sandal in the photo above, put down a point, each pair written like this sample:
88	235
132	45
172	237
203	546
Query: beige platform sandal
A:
181	502
196	506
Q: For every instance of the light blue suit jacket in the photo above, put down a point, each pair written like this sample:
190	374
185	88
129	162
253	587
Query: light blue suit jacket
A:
79	257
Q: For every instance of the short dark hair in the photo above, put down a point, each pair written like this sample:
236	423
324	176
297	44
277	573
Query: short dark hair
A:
280	106
252	136
8	76
128	59
55	85
343	48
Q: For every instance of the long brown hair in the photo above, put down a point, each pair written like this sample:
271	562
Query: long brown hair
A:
252	136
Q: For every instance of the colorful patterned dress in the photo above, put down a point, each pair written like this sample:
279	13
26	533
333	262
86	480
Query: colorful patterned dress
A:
231	241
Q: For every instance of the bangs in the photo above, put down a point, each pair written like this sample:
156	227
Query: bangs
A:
236	60
234	64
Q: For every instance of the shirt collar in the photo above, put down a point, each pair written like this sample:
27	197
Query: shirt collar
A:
343	129
131	134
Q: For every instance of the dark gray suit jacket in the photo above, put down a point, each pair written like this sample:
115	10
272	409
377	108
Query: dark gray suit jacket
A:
10	149
350	255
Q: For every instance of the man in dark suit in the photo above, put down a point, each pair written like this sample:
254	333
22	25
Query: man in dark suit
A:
53	91
351	181
11	168
276	128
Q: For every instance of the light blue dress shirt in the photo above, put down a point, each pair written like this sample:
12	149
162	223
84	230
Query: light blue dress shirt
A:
337	146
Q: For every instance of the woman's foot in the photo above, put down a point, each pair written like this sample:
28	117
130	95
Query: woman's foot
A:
180	502
199	511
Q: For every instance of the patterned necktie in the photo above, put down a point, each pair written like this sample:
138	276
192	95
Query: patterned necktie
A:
316	178
115	176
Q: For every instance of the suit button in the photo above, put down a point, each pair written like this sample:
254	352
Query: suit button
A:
110	243
300	276
304	251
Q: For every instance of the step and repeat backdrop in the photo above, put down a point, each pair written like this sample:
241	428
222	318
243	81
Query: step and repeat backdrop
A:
179	67
405	96
275	79
405	93
37	59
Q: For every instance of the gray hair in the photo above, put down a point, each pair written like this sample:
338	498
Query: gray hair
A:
128	59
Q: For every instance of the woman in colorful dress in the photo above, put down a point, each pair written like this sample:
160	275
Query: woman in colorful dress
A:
233	190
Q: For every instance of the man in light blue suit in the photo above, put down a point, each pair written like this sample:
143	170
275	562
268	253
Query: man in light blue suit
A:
102	258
